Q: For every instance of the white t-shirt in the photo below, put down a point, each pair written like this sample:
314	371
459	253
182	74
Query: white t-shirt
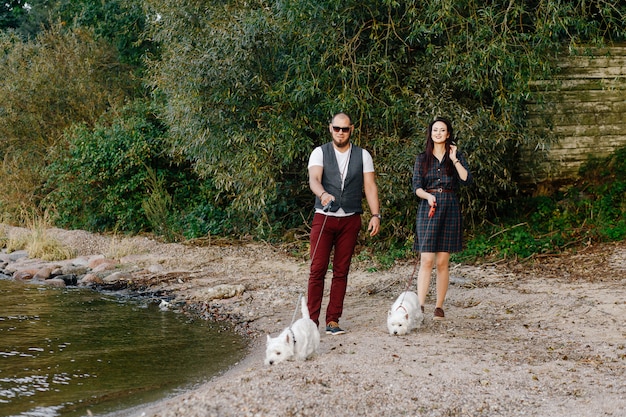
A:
343	159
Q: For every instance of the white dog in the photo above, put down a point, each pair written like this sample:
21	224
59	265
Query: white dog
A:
405	314
299	341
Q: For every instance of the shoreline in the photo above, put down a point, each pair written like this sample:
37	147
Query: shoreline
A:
534	339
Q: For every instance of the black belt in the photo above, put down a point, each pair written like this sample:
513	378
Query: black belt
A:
439	190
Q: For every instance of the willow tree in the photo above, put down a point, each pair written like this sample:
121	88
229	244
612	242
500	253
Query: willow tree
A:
247	89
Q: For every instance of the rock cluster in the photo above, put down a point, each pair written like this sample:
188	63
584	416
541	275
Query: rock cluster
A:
86	271
102	273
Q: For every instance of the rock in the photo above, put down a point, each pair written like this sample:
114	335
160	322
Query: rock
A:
94	261
18	254
24	264
91	279
69	279
117	277
74	270
103	265
98	260
43	274
25	274
223	291
84	260
55	282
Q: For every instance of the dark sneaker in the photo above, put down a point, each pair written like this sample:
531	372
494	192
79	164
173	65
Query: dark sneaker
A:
334	329
439	314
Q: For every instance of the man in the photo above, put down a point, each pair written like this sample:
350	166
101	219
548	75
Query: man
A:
338	173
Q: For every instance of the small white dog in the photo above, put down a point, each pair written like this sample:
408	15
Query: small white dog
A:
405	314
299	341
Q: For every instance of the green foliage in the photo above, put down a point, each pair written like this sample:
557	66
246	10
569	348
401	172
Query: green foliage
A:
46	85
36	99
249	87
245	90
591	210
11	13
30	17
385	255
607	178
206	220
121	23
218	122
158	205
107	174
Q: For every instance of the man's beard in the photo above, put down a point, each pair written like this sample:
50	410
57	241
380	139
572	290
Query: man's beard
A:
343	144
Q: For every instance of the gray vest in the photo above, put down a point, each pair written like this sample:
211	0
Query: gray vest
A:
351	197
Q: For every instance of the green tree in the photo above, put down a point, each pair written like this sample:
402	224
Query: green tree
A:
46	85
246	88
250	86
122	23
11	13
217	60
29	17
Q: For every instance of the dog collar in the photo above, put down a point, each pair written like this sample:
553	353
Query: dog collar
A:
403	308
293	336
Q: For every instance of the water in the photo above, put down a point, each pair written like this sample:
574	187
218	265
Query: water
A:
71	352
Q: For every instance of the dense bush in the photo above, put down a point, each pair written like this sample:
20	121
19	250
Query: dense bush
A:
106	176
591	210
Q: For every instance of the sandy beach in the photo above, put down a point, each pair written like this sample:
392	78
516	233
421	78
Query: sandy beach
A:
541	339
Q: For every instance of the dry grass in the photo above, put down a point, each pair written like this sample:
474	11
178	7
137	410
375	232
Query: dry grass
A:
4	237
37	241
120	247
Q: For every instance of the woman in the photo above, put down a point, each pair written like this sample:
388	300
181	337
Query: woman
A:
437	174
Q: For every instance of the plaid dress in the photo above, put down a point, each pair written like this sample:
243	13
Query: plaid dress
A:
444	231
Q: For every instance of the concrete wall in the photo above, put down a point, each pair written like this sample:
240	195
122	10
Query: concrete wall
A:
587	107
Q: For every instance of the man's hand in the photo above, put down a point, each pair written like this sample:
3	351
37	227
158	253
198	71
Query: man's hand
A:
374	226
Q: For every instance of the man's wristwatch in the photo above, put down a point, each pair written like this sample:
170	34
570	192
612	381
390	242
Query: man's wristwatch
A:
379	216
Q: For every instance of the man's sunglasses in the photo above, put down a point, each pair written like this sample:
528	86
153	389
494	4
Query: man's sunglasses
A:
343	129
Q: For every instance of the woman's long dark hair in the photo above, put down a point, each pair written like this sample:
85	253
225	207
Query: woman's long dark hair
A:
430	145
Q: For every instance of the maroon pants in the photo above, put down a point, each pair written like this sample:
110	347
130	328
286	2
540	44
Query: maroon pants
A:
328	232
